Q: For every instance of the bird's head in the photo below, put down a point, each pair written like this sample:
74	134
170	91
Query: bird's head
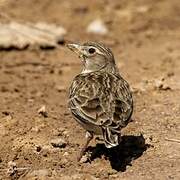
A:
95	57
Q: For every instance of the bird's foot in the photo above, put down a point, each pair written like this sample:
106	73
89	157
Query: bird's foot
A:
89	137
85	158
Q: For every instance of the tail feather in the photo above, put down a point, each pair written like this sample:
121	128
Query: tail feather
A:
111	138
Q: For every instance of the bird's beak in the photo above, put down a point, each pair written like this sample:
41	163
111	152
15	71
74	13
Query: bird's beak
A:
76	48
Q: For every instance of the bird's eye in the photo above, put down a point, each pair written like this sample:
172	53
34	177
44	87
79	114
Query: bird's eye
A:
91	50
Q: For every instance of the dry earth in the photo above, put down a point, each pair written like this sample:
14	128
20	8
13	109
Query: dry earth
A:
145	38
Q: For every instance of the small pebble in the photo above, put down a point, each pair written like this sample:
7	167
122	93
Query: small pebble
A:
60	88
65	133
97	27
38	148
35	129
66	154
84	159
161	85
43	111
12	168
58	143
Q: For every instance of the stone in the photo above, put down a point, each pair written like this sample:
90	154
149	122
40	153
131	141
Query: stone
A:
43	111
97	27
58	143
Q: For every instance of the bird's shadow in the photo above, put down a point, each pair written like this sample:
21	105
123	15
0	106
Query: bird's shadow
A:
130	148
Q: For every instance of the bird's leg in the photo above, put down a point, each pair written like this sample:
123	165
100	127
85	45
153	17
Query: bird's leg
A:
89	137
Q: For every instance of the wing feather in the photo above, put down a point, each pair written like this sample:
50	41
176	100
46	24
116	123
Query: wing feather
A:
101	99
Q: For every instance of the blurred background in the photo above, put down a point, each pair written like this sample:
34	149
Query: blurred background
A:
36	70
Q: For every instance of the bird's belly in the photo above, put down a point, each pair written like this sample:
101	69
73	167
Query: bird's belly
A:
97	130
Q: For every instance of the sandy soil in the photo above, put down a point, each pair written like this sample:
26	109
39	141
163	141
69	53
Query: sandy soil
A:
145	39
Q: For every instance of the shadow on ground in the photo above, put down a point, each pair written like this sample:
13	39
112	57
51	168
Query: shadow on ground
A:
131	148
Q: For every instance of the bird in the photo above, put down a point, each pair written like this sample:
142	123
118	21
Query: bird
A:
99	98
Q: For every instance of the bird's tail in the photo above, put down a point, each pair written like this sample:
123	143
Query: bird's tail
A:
111	137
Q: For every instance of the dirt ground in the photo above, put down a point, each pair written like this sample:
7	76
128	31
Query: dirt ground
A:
145	38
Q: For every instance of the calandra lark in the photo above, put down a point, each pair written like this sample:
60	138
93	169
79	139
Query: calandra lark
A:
99	98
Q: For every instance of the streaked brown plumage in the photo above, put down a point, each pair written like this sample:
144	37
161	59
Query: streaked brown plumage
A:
99	98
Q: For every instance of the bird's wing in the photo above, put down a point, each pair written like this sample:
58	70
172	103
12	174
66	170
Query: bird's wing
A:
101	99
